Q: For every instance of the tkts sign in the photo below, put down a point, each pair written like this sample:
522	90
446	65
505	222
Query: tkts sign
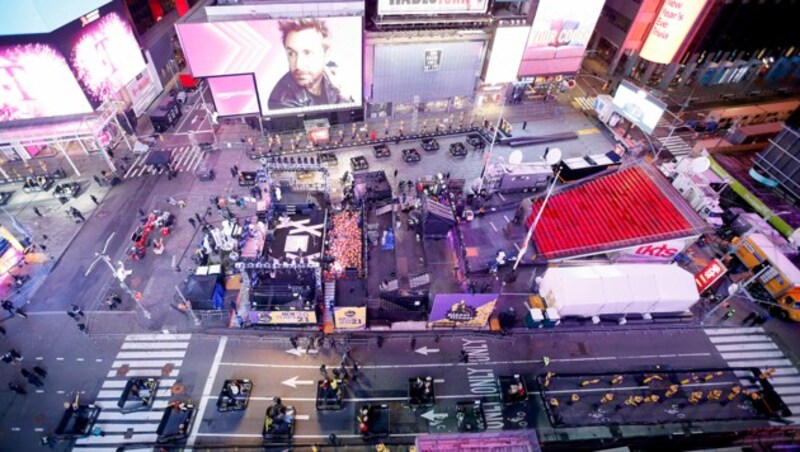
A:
397	7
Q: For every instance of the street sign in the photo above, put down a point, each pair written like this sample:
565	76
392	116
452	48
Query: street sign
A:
709	275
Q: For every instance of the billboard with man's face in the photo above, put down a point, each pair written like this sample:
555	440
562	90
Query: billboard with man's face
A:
299	65
560	32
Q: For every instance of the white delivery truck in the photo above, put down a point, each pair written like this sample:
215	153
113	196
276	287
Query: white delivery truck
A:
593	290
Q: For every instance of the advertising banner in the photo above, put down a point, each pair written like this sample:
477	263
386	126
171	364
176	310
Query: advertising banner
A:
656	251
638	106
36	82
283	317
143	90
670	29
433	60
102	51
462	310
234	94
507	51
350	318
400	7
709	275
560	32
300	65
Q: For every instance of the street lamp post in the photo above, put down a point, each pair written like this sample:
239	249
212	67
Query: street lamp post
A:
119	274
488	155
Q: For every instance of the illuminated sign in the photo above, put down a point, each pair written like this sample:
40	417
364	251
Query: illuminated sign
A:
638	106
234	94
350	318
670	28
709	275
560	32
658	251
396	7
300	65
433	60
283	317
507	50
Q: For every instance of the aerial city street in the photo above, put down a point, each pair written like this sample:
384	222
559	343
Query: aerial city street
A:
399	225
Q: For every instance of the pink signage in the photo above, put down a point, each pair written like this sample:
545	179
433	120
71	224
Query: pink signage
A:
234	94
299	64
36	82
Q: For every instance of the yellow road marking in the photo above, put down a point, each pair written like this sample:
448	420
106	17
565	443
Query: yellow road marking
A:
591	131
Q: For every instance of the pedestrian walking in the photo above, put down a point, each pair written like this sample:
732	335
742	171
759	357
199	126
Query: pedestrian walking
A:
323	369
36	211
233	172
94	200
17	388
524	124
40	372
749	317
728	315
73	315
8	306
464	357
76	310
45	237
236	169
546	151
43	247
395	174
49	441
293	341
82	328
110	153
336	373
15	354
198	218
193	222
7	358
77	214
97	179
34	380
140	212
2	331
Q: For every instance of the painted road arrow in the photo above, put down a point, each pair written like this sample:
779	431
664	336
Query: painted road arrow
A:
295	351
433	416
293	382
302	417
425	350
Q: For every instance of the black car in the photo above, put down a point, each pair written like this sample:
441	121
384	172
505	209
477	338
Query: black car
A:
458	149
176	422
382	151
235	395
421	392
430	145
470	417
138	395
411	155
359	163
373	421
330	394
278	423
77	422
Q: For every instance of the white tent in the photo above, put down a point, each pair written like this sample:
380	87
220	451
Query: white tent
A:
588	291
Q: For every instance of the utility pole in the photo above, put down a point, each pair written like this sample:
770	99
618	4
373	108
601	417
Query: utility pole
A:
119	274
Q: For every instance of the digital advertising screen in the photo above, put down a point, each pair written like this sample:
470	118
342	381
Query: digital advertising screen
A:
234	95
559	35
36	82
507	50
300	65
638	106
670	29
101	50
417	7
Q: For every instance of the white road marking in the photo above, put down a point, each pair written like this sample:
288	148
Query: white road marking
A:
123	428
729	331
117	384
117	439
154	345
79	359
158	337
734	339
493	226
747	347
107	415
786	390
59	359
147	363
752	355
762	363
785	380
151	354
212	376
111	405
155	373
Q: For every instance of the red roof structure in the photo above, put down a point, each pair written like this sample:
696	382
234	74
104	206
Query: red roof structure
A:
630	207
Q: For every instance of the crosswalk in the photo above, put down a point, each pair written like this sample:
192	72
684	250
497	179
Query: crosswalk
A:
583	103
184	158
141	355
676	145
749	347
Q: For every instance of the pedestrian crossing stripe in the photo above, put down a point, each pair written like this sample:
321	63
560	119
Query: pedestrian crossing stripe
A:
184	159
140	355
583	103
676	145
748	347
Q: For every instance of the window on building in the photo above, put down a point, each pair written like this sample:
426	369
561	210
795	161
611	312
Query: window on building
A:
616	18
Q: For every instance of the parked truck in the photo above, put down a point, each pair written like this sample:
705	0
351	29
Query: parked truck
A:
591	291
778	280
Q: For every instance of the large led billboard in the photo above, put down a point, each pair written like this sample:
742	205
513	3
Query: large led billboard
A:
670	28
507	50
425	7
70	70
638	106
36	82
299	65
102	51
560	32
234	95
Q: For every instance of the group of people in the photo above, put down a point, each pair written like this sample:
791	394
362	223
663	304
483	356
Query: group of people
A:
279	419
344	243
